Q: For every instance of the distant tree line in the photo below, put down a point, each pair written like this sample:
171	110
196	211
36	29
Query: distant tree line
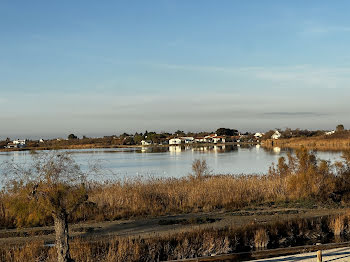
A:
161	137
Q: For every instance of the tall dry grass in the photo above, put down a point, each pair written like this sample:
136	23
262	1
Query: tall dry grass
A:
340	224
155	197
337	141
337	225
162	196
261	238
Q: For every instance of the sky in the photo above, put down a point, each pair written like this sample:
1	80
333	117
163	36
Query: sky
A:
99	68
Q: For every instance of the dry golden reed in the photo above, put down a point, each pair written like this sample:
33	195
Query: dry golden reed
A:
261	238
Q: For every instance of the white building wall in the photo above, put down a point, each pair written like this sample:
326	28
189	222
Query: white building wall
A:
175	141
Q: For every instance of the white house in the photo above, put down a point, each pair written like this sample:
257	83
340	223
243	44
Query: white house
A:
146	142
175	141
329	133
209	139
19	143
187	140
199	139
214	138
258	135
218	139
276	135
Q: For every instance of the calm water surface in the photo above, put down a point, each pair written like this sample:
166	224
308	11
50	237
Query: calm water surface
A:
173	161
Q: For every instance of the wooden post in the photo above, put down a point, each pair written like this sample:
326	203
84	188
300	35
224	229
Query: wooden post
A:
319	256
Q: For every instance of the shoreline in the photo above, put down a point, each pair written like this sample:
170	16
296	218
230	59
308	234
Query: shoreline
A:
94	146
319	144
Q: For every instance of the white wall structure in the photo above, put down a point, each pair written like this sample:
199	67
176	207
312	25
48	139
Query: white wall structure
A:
19	142
175	141
218	139
330	133
199	139
258	135
146	143
276	135
187	140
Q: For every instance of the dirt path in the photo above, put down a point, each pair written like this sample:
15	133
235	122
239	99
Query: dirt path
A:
164	225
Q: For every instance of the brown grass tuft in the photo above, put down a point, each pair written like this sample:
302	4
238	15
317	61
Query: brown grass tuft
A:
261	238
337	225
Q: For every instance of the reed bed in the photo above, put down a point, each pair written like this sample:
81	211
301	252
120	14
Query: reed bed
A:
162	196
337	142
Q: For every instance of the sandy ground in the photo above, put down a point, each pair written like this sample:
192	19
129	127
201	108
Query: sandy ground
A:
336	255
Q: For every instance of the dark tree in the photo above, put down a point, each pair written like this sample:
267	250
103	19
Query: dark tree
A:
72	136
340	128
138	138
128	140
180	133
268	134
226	132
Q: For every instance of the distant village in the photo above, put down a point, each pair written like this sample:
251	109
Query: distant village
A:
221	136
211	139
151	138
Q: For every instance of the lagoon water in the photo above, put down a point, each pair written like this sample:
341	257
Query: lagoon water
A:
174	161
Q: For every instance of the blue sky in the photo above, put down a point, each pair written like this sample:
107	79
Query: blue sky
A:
107	67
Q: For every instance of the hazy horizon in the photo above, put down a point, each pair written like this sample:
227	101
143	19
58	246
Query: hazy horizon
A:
95	69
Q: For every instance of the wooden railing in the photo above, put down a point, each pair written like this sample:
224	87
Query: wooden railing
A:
246	256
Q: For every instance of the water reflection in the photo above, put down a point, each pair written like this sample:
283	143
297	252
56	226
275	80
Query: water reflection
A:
179	149
175	149
277	150
176	161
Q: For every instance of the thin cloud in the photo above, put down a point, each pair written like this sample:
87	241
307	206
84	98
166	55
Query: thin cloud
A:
294	114
304	76
200	68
